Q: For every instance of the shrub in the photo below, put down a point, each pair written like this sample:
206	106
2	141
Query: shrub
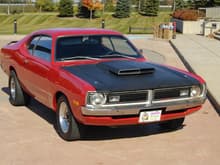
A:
188	15
66	8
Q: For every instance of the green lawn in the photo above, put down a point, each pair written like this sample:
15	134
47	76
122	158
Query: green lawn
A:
33	21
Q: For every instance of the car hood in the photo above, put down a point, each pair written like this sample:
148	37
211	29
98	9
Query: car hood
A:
130	75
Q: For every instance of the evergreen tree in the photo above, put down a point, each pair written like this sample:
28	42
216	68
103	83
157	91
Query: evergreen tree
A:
190	4
123	9
216	2
149	7
201	3
83	12
66	8
211	3
180	4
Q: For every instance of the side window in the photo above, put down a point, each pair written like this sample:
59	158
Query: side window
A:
43	48
107	43
32	44
121	45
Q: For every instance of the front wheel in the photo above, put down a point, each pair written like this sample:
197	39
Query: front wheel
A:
67	126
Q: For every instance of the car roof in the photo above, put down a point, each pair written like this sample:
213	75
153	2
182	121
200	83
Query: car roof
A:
56	32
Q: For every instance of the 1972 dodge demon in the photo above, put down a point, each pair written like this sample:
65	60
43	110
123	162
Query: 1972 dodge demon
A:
97	77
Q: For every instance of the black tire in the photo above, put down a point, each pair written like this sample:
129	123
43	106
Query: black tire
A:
173	124
17	96
72	130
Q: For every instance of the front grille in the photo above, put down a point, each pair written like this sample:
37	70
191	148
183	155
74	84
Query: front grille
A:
143	96
161	94
133	97
127	97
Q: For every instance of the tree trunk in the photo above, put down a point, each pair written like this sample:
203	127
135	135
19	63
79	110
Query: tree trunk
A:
174	5
8	8
23	8
90	14
139	5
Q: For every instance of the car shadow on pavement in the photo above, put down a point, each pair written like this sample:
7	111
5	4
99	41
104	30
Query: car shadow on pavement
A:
108	133
39	109
97	132
6	90
42	111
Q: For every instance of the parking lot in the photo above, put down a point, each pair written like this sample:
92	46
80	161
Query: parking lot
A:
28	135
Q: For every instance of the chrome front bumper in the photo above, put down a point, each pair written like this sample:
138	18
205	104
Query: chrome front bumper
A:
135	108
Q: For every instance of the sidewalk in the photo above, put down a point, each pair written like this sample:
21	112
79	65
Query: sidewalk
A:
202	56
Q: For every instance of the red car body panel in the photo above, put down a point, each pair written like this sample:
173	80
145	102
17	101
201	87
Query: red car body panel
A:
46	80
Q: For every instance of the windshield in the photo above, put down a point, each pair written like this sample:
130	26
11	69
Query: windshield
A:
94	47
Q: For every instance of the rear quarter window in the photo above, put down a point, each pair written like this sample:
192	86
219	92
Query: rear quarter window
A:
40	47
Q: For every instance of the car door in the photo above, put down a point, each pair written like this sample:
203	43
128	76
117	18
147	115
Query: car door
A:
37	68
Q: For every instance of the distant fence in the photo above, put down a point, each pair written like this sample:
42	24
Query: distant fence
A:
17	7
139	30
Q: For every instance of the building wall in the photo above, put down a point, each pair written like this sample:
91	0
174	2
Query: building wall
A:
197	27
189	27
213	12
210	27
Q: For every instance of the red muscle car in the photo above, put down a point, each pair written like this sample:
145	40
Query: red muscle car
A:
97	77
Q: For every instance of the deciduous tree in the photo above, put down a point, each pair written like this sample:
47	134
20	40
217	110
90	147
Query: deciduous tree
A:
92	5
109	6
45	5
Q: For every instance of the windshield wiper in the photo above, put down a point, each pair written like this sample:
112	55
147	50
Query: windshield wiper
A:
116	55
78	58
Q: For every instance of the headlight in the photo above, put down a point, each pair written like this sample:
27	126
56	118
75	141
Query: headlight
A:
184	93
195	91
96	98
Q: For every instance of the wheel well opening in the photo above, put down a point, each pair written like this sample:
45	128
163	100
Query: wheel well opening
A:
57	95
11	68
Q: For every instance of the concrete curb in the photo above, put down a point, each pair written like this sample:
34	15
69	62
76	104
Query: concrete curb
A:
217	35
211	98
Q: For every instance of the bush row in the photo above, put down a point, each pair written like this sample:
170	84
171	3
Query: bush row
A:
190	15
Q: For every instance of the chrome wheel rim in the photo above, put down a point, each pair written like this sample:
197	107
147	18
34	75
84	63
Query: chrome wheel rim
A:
12	88
64	117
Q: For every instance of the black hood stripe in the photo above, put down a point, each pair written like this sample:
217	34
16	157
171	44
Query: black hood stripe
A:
100	76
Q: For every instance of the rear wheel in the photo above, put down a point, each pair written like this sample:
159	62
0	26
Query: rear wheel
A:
172	124
17	96
67	126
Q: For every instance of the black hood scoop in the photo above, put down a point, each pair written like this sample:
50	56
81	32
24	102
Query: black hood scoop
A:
124	68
